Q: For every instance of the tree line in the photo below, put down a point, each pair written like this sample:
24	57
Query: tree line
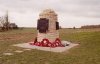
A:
90	26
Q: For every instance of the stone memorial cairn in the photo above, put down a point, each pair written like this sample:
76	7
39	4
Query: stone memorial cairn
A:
47	30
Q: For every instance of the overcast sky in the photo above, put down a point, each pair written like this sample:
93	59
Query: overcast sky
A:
70	12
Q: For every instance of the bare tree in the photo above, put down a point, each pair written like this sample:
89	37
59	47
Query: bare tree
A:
4	22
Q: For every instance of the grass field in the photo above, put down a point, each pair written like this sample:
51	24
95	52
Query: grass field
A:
88	52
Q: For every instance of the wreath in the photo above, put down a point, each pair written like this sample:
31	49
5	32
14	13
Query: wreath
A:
45	42
57	42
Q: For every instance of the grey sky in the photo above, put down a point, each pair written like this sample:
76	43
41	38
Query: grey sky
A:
70	12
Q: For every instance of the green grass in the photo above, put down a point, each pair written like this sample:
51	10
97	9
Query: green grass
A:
88	52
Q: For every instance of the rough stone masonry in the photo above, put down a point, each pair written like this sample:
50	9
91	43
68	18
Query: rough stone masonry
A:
47	29
52	33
